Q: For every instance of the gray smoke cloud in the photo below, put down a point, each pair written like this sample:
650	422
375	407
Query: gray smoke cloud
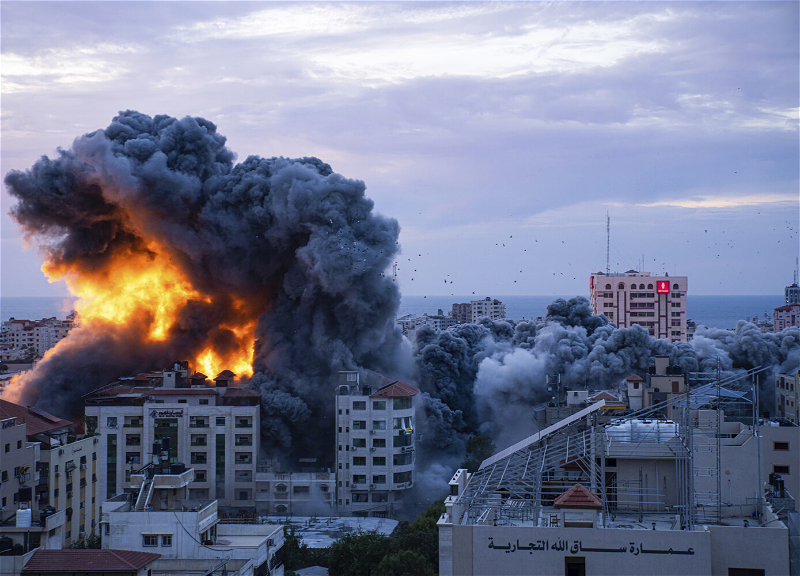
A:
495	379
286	242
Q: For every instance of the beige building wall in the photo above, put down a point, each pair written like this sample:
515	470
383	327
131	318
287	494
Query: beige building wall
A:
18	459
657	303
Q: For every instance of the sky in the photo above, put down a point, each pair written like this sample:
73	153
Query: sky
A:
499	135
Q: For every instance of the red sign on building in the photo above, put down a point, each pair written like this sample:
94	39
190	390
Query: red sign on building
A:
662	286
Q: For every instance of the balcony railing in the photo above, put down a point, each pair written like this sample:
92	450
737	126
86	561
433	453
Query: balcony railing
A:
244	443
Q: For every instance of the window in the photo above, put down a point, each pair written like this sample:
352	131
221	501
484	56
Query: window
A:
220	420
379	424
649	286
777	469
621	286
199	458
359	442
360	405
133	457
8	447
401	403
379	460
379	442
243	495
780	445
149	539
166	539
133	440
608	286
641	286
380	497
244	476
359	424
19	444
401	440
400	477
403	423
111	422
199	475
359	479
359	460
676	314
182	401
244	457
203	401
379	479
379	404
675	287
301	489
360	497
197	422
402	459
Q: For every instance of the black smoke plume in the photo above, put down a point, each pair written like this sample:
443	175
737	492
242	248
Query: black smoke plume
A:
286	242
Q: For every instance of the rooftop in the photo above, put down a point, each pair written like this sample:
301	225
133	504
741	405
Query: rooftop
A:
61	561
38	421
396	389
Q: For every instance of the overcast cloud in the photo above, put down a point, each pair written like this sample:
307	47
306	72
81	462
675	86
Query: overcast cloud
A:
498	134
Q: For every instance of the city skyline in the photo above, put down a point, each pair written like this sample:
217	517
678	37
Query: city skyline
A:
498	135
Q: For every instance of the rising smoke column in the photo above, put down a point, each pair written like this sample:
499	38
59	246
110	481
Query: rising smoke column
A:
177	253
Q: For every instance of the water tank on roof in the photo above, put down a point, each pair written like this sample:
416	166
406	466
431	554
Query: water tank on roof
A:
344	390
6	546
24	518
177	468
45	513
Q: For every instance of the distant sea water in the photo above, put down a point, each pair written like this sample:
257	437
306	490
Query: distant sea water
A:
712	311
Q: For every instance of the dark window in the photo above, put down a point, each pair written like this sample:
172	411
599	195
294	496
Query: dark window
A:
780	445
746	572
574	566
777	469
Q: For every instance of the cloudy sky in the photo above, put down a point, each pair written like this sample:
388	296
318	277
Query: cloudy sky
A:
497	134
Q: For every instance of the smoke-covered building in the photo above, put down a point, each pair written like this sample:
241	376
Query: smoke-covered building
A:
657	303
487	308
462	312
787	397
172	417
374	445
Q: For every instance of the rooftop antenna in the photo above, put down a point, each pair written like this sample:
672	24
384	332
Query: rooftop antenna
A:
608	243
796	265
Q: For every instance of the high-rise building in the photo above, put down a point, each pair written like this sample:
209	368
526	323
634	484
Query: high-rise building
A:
462	312
657	303
374	445
34	337
169	417
487	308
786	317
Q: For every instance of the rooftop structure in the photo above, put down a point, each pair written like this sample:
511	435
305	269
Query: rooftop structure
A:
375	445
173	416
103	562
487	308
639	494
657	303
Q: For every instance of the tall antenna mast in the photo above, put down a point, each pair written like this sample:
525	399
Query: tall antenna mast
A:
796	266
608	243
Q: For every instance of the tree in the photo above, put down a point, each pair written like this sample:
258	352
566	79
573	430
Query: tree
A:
358	553
404	563
479	448
299	555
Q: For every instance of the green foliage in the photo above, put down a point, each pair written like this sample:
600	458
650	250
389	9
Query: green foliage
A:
299	555
92	541
411	550
479	448
404	563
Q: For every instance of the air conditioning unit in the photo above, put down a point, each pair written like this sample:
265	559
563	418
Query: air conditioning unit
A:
372	449
58	474
69	495
61	452
372	486
372	431
81	534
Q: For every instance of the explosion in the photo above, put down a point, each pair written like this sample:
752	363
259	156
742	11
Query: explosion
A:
273	266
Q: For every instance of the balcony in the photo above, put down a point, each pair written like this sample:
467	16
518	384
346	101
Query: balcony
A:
244	424
199	443
244	442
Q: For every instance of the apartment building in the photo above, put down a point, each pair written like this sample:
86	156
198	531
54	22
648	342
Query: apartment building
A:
787	397
462	313
374	444
309	490
656	303
172	416
487	308
786	317
21	337
53	471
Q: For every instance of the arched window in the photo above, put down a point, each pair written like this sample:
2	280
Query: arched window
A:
675	287
324	488
608	286
649	286
621	286
641	286
280	509
280	488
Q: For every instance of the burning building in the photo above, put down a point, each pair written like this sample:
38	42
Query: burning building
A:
270	267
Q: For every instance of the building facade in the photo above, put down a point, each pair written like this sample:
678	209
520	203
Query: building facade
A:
169	417
374	445
462	312
34	337
487	308
786	316
787	395
656	303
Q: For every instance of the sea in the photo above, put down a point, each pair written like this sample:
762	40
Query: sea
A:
711	311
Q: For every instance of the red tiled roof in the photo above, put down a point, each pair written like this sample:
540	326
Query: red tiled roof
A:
198	376
37	420
633	378
396	389
225	375
787	307
240	393
578	497
60	561
604	396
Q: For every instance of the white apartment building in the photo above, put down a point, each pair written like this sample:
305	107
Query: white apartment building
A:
161	517
374	445
301	493
36	336
170	417
657	303
487	308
